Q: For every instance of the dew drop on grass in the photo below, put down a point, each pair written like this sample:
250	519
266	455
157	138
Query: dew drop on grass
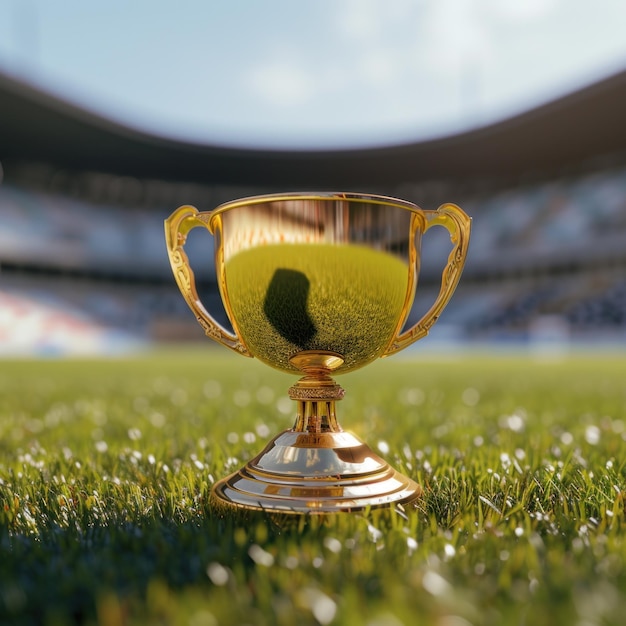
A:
178	396
435	584
383	447
592	435
291	562
332	544
263	430
260	556
285	405
212	389
265	395
134	434
217	573
470	396
321	606
375	534
203	618
241	398
102	446
157	419
415	396
140	404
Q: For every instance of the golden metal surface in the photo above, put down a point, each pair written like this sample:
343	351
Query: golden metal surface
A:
317	284
315	473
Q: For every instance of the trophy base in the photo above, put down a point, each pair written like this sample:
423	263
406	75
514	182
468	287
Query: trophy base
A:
314	473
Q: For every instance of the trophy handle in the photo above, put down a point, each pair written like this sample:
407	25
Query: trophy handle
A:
177	227
458	224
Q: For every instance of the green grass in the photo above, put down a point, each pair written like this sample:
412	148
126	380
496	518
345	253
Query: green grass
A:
106	467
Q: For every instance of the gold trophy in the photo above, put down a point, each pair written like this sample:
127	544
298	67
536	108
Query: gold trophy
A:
316	284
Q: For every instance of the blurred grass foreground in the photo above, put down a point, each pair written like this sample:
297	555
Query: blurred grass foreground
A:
106	467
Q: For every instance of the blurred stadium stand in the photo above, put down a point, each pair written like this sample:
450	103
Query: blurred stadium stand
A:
83	265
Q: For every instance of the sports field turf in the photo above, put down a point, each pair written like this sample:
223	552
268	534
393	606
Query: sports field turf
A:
105	469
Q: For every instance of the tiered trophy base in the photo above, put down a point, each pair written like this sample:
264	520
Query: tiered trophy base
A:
302	472
315	467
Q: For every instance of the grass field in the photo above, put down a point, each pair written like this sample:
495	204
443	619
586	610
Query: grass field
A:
106	466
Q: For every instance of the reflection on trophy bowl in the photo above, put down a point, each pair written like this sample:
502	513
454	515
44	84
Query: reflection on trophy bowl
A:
287	298
316	284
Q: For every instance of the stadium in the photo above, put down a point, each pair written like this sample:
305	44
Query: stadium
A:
84	266
119	418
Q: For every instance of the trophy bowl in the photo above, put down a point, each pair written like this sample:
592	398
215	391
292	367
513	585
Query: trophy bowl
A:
316	284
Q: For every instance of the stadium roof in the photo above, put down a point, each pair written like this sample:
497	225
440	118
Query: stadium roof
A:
36	126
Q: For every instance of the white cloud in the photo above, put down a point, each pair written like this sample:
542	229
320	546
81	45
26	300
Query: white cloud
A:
281	83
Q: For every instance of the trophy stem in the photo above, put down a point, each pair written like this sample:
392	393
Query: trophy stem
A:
315	467
315	399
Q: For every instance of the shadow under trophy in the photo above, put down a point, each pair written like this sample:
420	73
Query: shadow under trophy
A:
316	284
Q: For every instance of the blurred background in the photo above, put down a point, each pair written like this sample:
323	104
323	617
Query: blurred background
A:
114	113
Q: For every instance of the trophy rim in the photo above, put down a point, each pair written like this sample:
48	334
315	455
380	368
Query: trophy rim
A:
346	196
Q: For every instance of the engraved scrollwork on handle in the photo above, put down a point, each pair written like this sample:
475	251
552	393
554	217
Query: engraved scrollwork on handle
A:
177	226
458	224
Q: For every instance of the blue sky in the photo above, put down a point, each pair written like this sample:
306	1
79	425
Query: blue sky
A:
310	73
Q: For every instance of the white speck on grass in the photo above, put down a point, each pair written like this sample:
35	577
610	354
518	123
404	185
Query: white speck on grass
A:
470	396
157	419
449	551
322	606
413	396
332	544
102	446
592	435
203	618
212	389
249	437
232	438
291	562
435	584
134	434
375	534
384	619
383	447
263	430
217	573
260	556
513	422
178	396
242	398
285	405
265	395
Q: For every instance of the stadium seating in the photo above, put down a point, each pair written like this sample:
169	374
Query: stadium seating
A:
548	248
